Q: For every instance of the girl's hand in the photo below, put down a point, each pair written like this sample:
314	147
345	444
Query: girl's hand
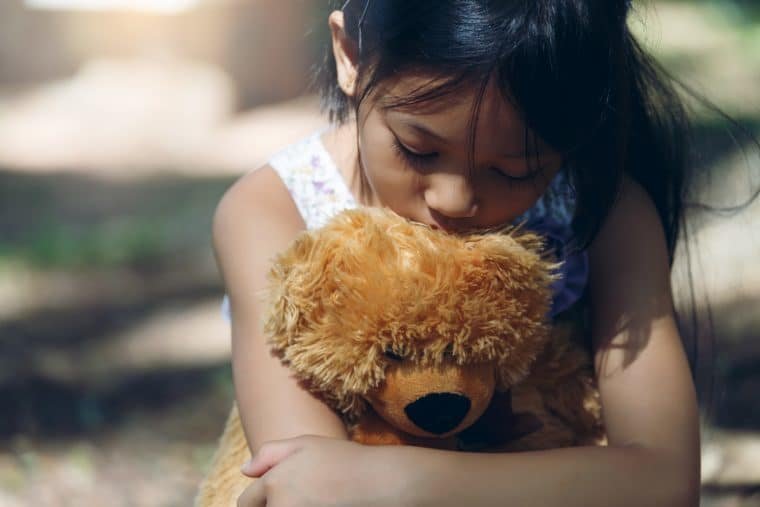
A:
315	471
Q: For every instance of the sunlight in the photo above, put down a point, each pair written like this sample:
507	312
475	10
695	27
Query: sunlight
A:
155	6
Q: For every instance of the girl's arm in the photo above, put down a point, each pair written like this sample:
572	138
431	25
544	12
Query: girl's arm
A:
254	221
648	398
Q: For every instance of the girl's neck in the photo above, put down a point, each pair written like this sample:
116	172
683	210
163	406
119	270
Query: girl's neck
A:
340	143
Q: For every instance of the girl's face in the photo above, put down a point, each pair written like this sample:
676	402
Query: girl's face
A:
416	162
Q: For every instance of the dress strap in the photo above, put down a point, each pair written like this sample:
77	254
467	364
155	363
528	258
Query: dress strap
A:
315	184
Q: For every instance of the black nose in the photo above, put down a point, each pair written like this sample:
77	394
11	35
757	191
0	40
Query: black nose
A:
438	412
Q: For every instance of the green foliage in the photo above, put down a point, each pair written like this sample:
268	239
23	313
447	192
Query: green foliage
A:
737	11
142	225
128	242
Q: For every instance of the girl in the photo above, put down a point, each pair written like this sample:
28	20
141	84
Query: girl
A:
464	114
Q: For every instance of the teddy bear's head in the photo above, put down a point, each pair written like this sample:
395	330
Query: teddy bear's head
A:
421	324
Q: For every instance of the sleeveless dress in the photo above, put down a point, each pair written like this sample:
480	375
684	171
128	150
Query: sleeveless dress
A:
319	192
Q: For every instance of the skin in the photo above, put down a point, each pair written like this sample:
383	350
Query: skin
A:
300	447
431	184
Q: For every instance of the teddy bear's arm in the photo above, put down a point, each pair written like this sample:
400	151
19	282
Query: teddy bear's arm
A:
224	483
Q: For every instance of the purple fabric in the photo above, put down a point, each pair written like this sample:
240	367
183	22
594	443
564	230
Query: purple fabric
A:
569	287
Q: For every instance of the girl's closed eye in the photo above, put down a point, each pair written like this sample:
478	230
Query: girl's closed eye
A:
423	160
518	179
414	158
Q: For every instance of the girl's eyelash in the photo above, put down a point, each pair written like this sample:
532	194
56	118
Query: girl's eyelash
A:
416	160
422	160
516	180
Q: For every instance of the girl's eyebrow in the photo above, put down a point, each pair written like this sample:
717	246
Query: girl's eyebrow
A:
427	132
408	121
424	130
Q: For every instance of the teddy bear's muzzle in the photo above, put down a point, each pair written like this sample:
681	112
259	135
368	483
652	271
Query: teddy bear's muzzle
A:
434	401
438	413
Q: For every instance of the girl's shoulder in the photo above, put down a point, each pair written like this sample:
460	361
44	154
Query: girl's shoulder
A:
265	209
629	263
633	223
262	206
314	183
258	197
253	221
299	182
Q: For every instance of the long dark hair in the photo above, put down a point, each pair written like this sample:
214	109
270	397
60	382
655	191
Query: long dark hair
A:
573	69
577	75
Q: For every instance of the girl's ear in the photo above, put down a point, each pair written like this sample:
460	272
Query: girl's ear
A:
346	53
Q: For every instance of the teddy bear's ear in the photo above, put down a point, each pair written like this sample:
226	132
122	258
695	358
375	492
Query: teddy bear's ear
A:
306	322
307	279
519	261
284	317
517	284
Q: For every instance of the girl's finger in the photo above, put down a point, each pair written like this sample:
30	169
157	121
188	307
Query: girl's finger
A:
253	496
269	455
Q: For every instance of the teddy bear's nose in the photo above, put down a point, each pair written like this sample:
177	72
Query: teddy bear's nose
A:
438	412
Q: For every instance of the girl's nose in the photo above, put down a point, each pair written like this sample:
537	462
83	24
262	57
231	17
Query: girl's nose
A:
451	195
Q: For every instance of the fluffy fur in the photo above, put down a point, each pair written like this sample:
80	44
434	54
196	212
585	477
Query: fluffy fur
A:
419	337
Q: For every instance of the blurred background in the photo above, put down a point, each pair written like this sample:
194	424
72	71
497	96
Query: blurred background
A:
122	123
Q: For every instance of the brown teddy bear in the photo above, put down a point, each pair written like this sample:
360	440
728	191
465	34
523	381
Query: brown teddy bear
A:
419	337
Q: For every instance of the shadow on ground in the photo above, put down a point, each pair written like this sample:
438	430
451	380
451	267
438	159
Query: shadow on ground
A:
44	410
74	285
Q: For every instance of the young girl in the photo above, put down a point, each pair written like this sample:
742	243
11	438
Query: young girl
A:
464	114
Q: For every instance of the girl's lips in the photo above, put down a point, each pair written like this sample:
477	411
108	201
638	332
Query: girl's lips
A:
450	228
438	226
437	221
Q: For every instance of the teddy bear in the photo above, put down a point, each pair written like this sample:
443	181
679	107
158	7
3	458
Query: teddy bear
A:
415	336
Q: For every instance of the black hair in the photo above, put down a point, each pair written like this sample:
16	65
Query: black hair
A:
574	70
